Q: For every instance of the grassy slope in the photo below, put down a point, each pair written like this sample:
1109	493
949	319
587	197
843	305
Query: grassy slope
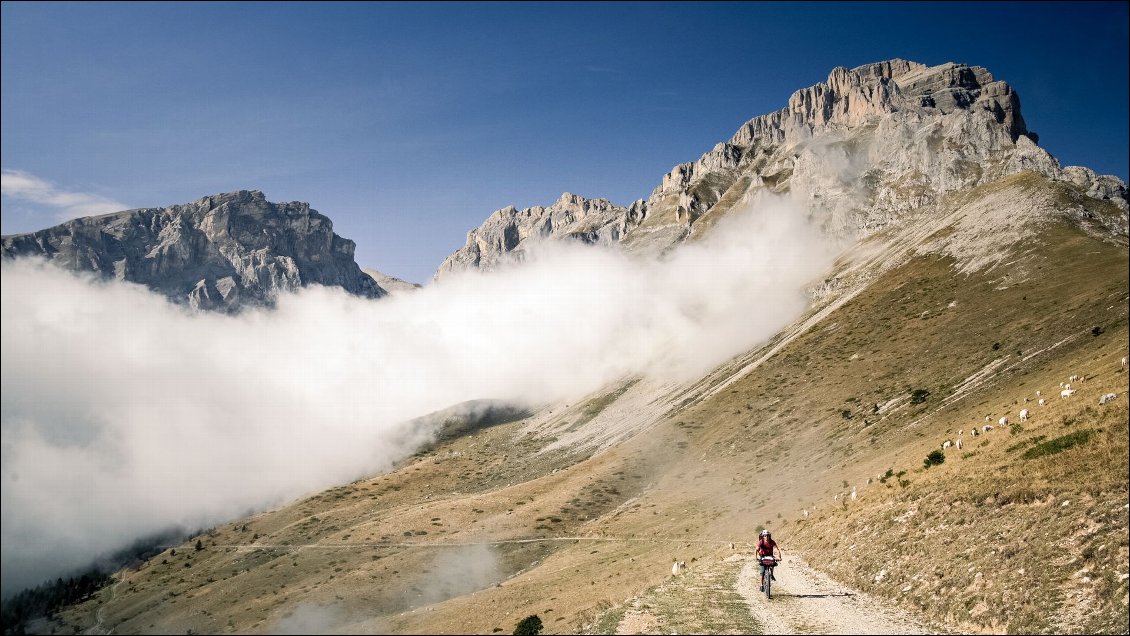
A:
797	431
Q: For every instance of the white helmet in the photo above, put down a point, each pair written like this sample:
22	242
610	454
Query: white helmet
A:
764	533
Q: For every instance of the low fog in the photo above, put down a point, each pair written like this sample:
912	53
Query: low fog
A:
124	415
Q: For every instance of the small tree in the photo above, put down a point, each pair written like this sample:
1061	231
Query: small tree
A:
918	396
935	457
528	626
199	545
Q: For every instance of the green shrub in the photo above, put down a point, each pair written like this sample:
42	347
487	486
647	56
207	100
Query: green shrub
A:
1057	445
935	457
528	626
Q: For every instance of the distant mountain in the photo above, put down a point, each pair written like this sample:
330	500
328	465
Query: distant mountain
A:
391	284
507	231
220	252
863	149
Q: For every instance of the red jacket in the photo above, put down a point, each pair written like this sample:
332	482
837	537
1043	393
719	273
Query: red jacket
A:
765	546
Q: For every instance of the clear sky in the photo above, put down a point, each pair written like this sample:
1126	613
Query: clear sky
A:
407	124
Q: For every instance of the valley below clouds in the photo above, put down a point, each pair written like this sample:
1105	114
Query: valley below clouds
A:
125	415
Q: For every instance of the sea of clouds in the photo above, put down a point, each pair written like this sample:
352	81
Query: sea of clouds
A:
125	415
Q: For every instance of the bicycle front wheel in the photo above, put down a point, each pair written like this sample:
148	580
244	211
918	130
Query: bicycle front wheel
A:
769	583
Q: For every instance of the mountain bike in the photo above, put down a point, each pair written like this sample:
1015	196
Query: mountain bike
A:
767	565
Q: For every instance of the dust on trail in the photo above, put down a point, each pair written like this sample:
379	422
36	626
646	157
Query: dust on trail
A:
808	602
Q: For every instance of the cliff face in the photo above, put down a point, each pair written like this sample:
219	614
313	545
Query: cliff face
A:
507	231
862	149
220	252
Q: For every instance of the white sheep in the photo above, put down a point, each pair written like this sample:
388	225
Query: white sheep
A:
958	443
1043	401
805	513
1123	362
853	495
1003	422
678	566
1109	397
946	444
1037	394
1066	393
1073	378
1023	415
988	427
974	432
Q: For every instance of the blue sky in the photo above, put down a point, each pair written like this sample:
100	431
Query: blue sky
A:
407	124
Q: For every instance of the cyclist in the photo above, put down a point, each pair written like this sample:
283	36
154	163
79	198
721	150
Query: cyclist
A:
766	546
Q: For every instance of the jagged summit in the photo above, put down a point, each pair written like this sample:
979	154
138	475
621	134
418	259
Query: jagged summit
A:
862	150
574	216
219	252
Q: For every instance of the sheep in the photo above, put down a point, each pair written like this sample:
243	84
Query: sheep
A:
1023	415
1037	394
853	495
1066	393
1002	422
988	419
1073	378
805	513
1123	362
731	545
1109	397
974	432
1043	401
678	566
988	427
958	443
946	444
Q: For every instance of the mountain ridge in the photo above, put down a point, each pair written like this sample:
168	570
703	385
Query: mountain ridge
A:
897	134
221	252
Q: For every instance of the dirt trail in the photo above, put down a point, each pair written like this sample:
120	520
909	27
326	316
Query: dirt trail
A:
808	602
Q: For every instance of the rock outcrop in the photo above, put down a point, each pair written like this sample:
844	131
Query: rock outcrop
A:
861	150
508	230
391	284
220	252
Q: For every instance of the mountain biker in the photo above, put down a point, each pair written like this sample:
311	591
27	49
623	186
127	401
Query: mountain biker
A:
766	547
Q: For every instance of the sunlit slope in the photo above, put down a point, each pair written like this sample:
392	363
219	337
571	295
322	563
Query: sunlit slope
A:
917	345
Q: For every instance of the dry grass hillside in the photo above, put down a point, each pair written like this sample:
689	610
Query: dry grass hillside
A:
1023	529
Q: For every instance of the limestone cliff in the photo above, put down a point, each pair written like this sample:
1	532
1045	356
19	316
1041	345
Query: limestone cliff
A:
508	230
860	150
220	252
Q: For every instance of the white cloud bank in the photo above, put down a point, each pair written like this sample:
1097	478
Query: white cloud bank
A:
66	205
123	415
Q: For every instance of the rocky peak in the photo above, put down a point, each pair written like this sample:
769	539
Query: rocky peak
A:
862	150
219	252
572	216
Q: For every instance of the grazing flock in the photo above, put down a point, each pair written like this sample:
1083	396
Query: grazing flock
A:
1066	391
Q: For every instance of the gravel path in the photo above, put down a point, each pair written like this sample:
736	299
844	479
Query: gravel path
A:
808	602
